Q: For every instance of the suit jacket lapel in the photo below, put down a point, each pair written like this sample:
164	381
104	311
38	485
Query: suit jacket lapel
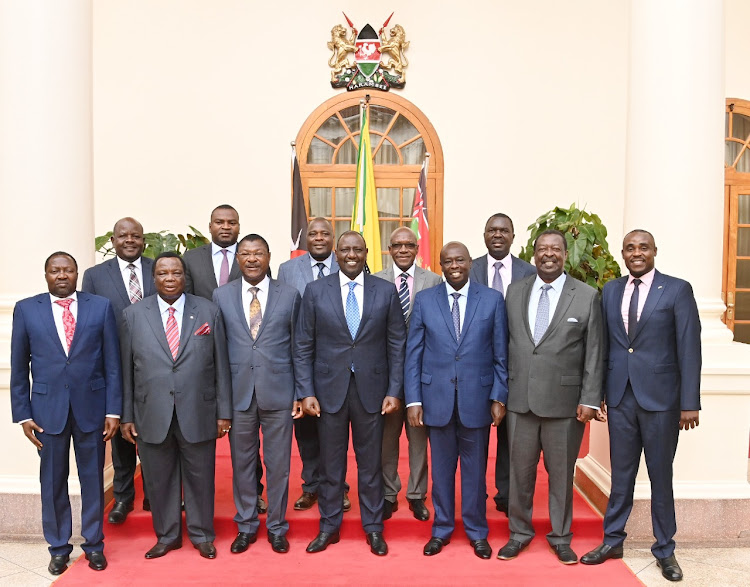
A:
153	317
515	269
209	265
367	301
81	320
443	303
271	301
472	301
566	297
49	320
148	283
526	296
617	298
334	294
234	270
654	295
188	325
239	308
113	269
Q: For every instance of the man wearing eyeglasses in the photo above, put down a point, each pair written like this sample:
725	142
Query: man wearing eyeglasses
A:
408	279
497	269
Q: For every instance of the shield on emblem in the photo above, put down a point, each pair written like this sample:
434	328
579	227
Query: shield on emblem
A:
367	56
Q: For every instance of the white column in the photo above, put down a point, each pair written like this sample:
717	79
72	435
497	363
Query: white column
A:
46	193
674	189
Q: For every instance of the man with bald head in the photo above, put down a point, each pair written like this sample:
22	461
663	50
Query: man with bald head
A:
456	384
408	279
124	280
349	370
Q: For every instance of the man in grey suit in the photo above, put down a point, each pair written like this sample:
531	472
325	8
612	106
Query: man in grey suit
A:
497	269
317	263
555	387
259	316
408	279
124	280
177	399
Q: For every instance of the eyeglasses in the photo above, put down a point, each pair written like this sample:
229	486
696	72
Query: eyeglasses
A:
398	246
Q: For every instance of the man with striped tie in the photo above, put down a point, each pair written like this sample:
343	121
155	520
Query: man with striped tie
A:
408	279
177	399
124	280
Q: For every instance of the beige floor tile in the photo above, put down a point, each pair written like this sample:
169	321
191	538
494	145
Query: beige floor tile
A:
697	574
9	568
25	579
737	559
25	554
638	558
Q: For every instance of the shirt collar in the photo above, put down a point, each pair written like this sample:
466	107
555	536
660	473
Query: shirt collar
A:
215	249
178	305
557	285
410	271
123	264
646	278
73	296
464	291
344	280
506	261
262	286
327	261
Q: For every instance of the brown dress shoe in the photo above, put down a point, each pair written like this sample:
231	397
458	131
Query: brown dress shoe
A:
347	504
262	505
160	549
305	501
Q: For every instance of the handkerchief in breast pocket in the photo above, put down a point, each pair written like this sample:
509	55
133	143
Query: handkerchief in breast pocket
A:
572	319
203	330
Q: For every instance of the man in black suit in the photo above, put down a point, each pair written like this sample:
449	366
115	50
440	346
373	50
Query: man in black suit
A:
259	316
497	269
214	265
124	280
349	368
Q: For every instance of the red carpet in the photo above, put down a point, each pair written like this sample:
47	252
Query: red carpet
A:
350	561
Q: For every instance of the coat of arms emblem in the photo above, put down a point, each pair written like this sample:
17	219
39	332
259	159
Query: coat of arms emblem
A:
368	69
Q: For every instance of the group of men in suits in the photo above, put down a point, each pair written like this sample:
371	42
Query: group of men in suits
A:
328	346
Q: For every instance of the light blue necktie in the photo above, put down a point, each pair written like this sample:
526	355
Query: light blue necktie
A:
542	314
352	311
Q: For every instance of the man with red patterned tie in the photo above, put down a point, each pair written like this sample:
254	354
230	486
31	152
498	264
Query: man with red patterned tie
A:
67	341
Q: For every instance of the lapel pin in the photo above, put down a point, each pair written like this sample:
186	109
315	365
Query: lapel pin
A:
191	317
660	287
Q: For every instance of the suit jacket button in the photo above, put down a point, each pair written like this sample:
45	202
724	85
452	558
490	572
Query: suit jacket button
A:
171	393
67	386
254	347
458	358
67	362
174	369
630	350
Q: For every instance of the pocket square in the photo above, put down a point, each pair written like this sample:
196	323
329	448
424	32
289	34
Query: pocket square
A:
572	319
203	330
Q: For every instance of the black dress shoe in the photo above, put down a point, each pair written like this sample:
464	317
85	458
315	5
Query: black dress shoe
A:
601	553
58	564
564	553
420	510
120	512
482	548
670	568
278	543
377	543
146	505
510	550
388	508
243	542
305	501
97	561
346	505
160	549
322	540
262	505
435	545
207	549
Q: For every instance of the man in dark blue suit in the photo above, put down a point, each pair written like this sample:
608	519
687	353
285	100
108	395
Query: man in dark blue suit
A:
124	280
67	341
456	383
497	269
652	391
349	369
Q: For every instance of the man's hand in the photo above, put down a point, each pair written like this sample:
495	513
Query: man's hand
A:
222	427
297	412
498	413
688	419
128	432
28	429
584	413
311	407
390	405
601	413
414	415
110	427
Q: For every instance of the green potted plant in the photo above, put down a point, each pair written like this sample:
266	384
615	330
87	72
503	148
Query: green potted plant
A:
156	242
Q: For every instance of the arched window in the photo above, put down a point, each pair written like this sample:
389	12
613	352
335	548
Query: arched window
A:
400	135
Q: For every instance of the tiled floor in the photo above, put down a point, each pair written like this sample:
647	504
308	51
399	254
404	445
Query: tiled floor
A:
25	564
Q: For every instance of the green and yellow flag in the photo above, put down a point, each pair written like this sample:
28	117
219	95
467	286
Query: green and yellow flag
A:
365	213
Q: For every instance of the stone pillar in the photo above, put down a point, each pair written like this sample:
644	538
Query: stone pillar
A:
46	192
674	189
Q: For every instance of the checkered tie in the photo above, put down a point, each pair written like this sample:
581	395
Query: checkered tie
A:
352	311
542	314
69	323
255	314
173	334
403	294
320	267
456	314
497	280
135	294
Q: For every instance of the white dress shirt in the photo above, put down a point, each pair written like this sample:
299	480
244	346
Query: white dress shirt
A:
57	314
217	257
553	294
643	289
178	305
506	270
326	270
409	281
262	296
125	272
359	291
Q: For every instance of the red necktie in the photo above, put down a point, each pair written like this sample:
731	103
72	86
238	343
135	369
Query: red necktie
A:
173	335
69	323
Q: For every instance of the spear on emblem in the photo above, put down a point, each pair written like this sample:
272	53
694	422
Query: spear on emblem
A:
385	24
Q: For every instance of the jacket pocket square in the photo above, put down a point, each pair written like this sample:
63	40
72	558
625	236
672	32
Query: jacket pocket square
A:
203	330
572	319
